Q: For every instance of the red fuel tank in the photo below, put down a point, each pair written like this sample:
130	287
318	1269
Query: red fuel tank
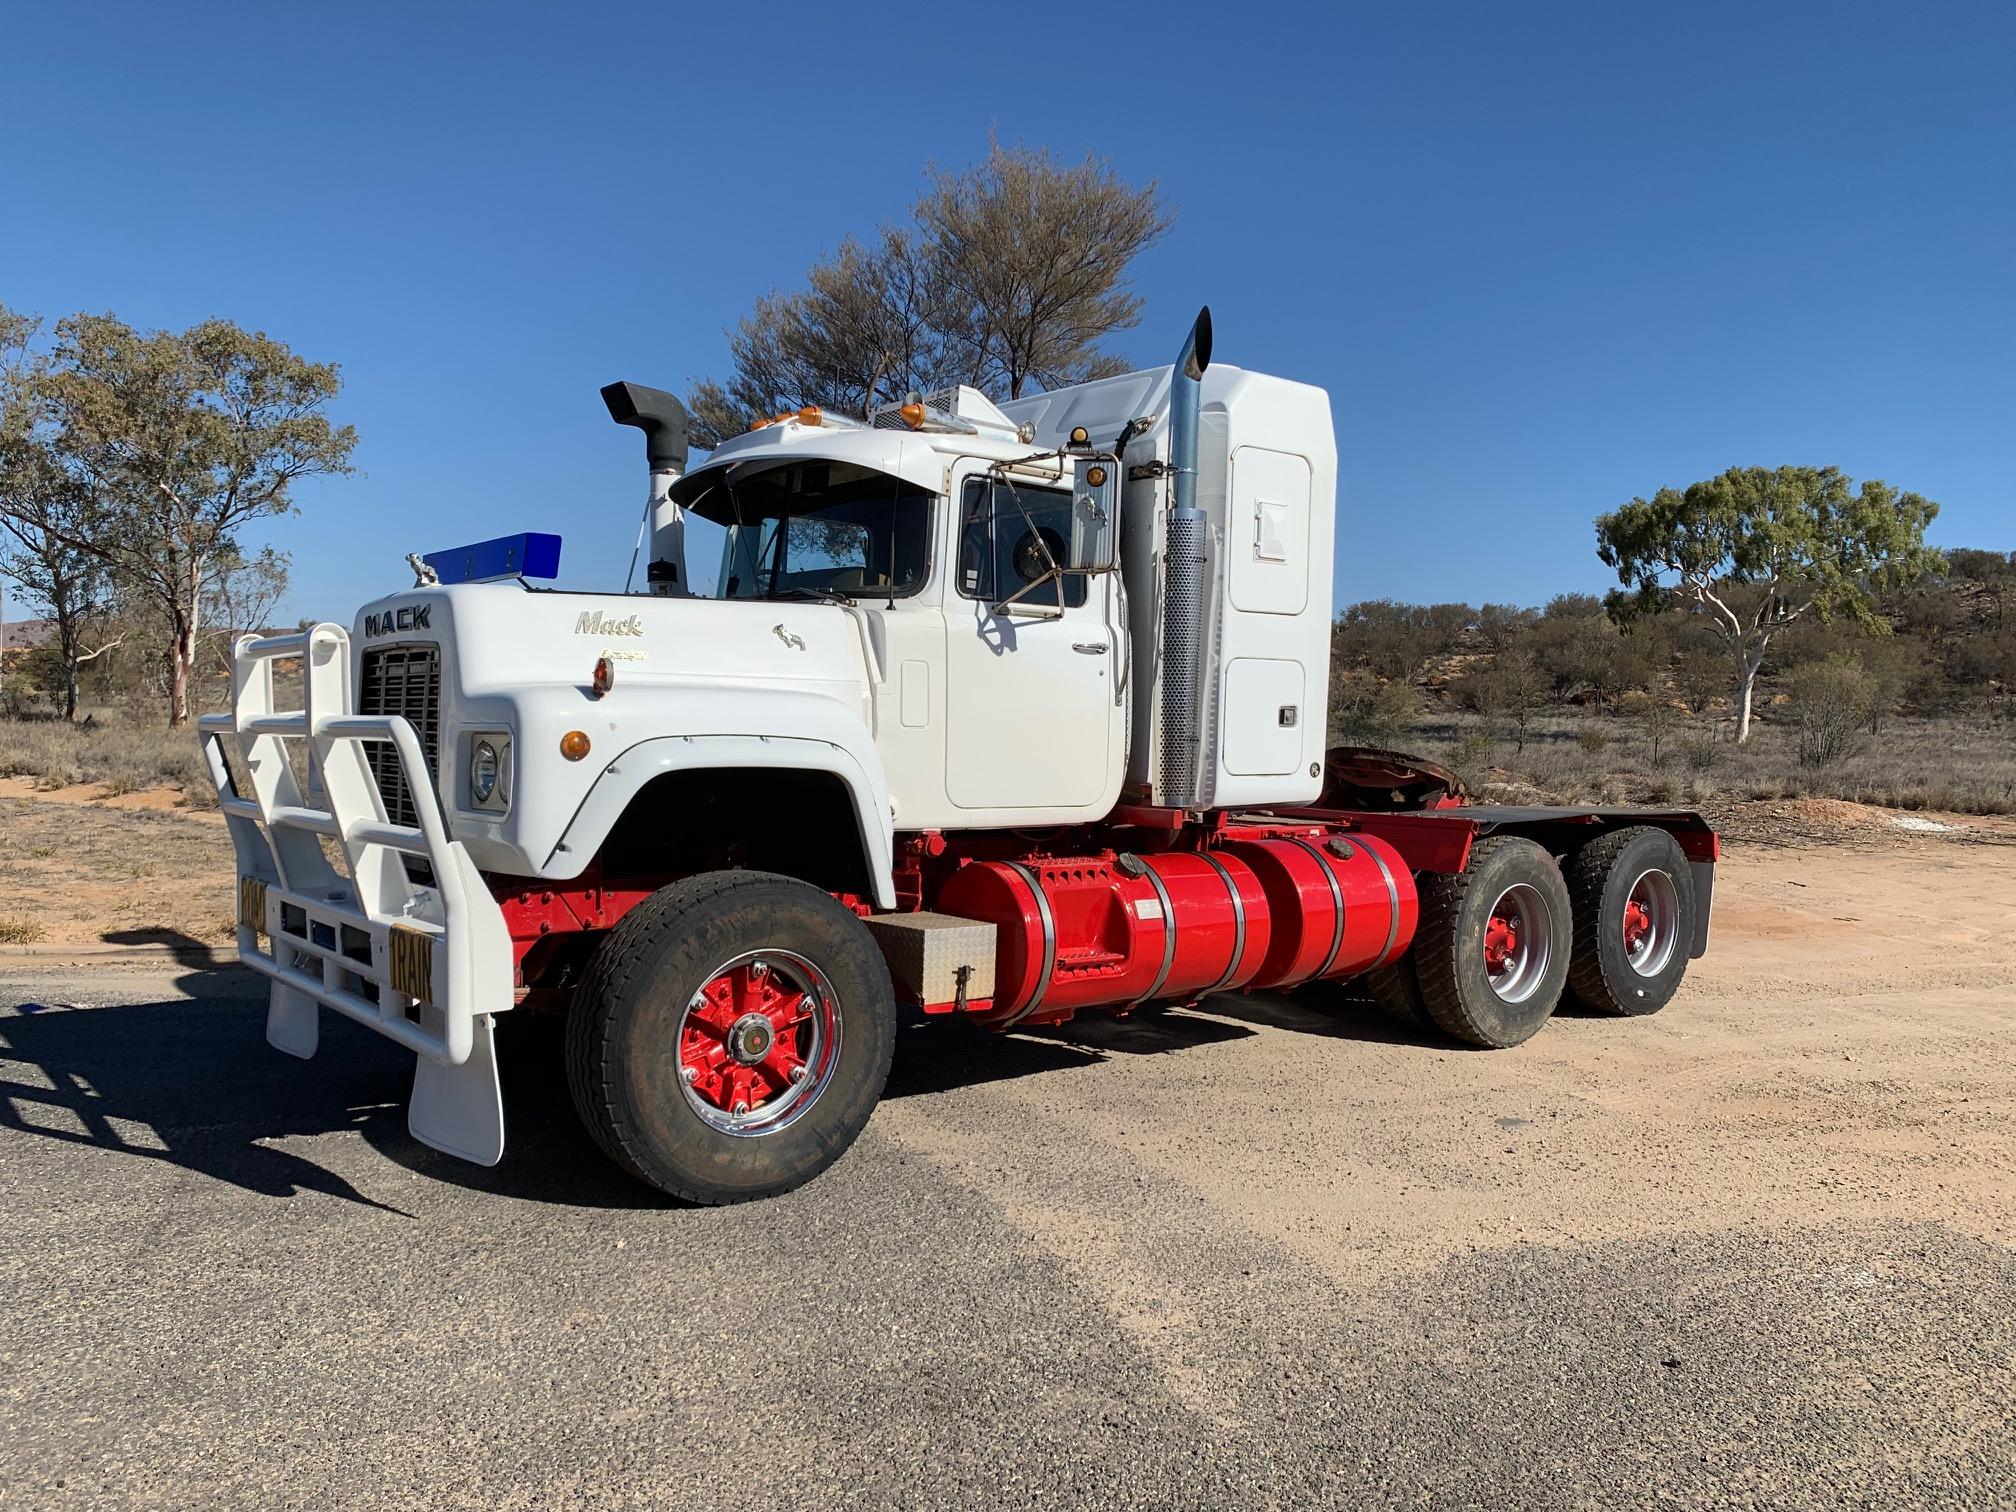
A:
1112	930
1341	905
1109	930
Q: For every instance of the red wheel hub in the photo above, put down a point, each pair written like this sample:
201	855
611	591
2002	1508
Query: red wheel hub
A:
745	1038
1637	923
1501	940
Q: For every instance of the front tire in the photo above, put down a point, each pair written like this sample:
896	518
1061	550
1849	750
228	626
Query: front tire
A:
732	1036
1633	894
1491	952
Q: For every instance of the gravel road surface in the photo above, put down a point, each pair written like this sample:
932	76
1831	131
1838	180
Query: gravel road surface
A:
1754	1252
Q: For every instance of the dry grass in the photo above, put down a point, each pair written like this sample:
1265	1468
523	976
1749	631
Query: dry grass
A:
1946	765
125	754
73	873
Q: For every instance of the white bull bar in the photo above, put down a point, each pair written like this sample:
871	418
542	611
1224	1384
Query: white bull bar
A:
426	963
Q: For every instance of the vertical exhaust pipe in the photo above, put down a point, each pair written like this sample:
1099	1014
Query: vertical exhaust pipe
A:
1185	576
663	420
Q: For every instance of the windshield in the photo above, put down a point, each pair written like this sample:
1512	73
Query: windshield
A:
820	529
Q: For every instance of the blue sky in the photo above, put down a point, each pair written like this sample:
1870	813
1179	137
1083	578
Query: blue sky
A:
1544	257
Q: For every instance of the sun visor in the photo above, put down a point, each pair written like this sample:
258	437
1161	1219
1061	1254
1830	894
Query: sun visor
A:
900	456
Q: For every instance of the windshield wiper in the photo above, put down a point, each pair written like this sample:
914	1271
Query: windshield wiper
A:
817	595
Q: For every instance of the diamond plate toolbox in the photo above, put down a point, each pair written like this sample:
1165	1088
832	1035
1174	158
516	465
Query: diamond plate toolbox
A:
928	953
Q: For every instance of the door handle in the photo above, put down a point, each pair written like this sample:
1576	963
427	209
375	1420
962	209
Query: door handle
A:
1089	648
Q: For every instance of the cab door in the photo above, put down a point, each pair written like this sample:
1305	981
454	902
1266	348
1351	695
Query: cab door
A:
1031	665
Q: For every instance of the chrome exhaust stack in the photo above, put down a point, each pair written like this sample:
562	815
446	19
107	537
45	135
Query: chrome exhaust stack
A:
1185	580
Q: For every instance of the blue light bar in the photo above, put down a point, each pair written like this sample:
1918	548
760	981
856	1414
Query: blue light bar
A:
533	554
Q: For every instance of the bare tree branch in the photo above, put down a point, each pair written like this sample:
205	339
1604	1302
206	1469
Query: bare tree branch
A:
1009	275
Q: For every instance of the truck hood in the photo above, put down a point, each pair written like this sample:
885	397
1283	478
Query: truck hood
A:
521	662
505	637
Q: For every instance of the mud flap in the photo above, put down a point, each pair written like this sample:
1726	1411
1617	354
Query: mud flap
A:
459	1110
293	1022
1704	905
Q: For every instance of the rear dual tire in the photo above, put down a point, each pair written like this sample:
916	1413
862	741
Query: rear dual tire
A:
1396	991
1614	927
1634	903
1491	952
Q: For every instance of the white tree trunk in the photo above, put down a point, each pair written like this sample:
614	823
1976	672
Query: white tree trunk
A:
1746	688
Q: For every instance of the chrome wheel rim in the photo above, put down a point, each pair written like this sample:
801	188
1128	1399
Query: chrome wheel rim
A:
1518	942
758	1042
1651	922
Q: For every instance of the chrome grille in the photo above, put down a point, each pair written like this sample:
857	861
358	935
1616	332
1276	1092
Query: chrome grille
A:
402	680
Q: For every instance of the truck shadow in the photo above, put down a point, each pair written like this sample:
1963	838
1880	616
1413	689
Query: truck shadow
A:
183	947
192	1083
1328	1011
942	1055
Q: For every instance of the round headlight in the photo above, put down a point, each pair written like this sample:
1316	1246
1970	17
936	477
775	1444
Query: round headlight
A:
483	771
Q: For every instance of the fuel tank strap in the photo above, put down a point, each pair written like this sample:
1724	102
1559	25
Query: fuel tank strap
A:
1049	942
1392	903
1336	904
1238	923
1168	934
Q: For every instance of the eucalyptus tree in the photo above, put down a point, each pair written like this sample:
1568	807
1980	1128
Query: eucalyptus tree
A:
1752	550
173	442
42	512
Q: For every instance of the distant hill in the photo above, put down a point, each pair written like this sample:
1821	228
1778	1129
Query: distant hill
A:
26	635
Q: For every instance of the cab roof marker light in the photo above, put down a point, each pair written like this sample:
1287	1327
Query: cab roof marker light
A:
533	555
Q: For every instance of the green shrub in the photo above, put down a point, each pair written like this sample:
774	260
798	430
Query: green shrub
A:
1659	721
1470	755
1702	754
1833	699
1365	711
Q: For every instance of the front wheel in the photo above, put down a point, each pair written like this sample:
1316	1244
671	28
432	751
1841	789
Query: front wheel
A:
731	1037
1491	952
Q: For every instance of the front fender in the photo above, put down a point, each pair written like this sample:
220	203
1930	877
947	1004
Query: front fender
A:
854	762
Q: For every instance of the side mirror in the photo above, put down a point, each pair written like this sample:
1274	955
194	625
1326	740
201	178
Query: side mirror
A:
1095	514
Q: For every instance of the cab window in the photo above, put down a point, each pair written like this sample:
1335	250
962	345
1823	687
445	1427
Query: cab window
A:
1004	530
820	528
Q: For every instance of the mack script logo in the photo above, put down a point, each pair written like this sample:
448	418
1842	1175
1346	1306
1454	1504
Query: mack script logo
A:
391	621
595	622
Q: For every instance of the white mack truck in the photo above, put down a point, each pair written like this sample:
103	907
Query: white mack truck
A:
1005	711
